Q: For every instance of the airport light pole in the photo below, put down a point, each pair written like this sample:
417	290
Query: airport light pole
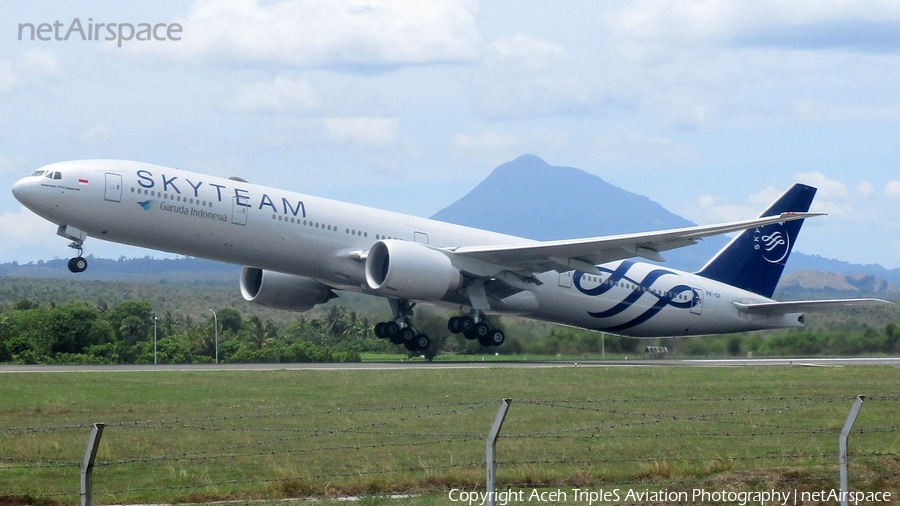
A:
216	318
155	319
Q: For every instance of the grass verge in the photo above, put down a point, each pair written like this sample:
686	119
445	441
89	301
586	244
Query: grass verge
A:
220	435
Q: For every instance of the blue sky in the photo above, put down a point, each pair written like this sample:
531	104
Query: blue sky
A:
711	108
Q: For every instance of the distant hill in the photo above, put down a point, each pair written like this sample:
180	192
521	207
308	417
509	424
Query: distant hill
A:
530	198
183	270
837	282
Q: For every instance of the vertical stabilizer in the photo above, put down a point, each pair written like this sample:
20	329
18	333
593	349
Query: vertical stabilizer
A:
755	259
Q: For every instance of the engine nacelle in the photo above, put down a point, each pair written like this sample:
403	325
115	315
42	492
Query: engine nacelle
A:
282	291
410	270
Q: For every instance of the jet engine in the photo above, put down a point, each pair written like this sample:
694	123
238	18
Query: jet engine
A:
410	270
282	291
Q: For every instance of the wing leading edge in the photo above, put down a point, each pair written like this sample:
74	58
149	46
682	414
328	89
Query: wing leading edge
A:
584	254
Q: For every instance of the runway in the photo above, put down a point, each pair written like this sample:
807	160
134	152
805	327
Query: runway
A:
396	366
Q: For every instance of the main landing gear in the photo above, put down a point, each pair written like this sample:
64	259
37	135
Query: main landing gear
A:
400	330
476	326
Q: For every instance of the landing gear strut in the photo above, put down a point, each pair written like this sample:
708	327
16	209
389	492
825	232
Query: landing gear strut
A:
400	330
476	326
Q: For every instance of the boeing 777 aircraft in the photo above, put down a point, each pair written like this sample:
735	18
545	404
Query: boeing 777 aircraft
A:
298	249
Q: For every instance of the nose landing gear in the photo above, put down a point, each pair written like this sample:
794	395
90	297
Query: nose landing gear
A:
77	236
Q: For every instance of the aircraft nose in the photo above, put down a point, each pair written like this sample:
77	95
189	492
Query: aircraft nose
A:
20	190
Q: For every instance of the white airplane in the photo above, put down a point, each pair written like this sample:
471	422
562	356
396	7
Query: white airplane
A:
297	249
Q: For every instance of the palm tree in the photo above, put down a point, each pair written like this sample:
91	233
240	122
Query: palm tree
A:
261	333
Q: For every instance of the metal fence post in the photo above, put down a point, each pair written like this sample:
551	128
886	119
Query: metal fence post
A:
842	448
491	452
87	466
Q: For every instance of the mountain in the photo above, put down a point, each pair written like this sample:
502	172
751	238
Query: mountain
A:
530	198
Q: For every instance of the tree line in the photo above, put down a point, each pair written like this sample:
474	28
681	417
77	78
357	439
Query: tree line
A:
132	333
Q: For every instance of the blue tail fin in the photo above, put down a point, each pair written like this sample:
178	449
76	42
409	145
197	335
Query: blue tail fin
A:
754	260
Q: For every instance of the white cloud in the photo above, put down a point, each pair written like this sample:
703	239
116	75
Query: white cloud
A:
525	75
529	51
797	24
892	189
712	209
363	132
496	140
9	78
26	236
324	33
97	134
9	166
828	188
40	63
865	189
618	145
283	95
31	66
815	112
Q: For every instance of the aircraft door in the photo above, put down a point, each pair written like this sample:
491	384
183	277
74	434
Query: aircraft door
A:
238	212
697	301
420	237
565	279
113	191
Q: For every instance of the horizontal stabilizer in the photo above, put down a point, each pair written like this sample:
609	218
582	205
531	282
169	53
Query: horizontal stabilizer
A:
803	306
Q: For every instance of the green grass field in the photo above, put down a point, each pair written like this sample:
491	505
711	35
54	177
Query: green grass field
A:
206	436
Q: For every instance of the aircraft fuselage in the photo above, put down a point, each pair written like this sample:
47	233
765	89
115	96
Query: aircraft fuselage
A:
233	221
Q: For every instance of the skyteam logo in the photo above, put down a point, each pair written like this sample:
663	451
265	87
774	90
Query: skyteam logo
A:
679	296
773	242
146	205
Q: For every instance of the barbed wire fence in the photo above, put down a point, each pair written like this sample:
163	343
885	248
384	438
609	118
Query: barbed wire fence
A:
650	443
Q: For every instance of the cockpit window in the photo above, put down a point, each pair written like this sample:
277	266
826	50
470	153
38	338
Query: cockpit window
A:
38	173
57	175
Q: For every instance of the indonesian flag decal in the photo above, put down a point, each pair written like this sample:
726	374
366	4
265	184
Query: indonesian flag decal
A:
82	181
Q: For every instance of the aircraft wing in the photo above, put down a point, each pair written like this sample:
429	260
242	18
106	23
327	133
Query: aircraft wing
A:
583	254
803	306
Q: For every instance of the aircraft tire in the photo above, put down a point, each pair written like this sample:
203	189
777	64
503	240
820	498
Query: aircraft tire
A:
482	330
422	342
455	324
496	337
78	264
392	332
379	330
407	335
